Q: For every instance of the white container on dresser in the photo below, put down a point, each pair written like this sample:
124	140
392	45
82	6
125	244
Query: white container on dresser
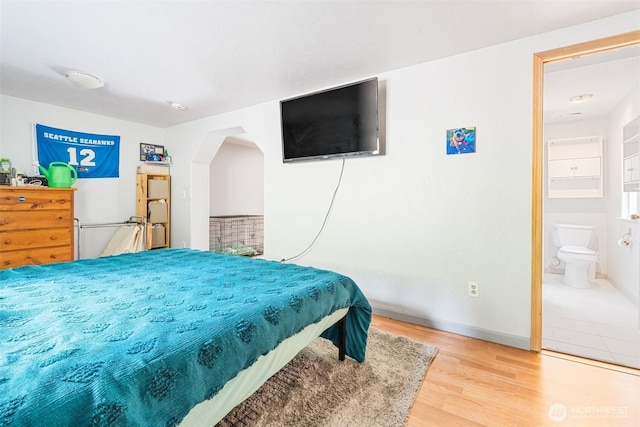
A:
575	167
631	155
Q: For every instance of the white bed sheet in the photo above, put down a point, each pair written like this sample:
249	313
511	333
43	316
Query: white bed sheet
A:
211	411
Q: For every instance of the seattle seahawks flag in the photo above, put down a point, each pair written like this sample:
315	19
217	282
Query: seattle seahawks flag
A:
93	156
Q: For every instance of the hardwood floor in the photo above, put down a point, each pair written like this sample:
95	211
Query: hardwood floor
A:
478	383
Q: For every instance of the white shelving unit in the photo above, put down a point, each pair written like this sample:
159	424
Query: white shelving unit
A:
575	167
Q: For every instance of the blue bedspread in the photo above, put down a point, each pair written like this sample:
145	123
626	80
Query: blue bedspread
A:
139	339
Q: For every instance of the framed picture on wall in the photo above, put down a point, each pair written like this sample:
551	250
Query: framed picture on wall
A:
461	140
151	152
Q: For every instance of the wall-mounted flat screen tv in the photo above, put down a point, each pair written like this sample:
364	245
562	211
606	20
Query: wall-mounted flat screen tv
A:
338	122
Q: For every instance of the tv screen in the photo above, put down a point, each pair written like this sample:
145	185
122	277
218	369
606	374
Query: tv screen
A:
338	122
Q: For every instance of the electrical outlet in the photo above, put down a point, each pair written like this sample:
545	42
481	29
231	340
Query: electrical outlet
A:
473	289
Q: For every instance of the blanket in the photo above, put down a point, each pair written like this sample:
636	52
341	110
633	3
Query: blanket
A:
139	339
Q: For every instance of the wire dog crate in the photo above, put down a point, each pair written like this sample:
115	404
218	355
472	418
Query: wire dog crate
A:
238	234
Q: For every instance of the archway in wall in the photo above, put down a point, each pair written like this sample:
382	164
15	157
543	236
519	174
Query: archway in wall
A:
200	182
236	188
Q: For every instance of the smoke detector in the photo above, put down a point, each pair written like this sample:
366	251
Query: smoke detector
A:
176	105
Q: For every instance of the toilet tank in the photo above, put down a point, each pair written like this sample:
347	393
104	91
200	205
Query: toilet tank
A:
573	235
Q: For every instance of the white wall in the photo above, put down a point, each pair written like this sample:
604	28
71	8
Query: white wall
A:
413	227
237	181
96	200
583	211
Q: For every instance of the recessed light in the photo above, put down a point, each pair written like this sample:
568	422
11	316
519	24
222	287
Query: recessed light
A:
177	106
580	98
84	80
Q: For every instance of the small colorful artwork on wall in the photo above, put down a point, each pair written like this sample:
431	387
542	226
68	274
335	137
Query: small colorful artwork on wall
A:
461	140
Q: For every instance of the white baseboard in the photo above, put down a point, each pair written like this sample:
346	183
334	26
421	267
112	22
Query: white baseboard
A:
456	328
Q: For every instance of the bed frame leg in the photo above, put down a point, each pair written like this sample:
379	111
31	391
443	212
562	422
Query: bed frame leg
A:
342	338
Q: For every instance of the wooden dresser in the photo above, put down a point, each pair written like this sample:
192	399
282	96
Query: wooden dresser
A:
36	225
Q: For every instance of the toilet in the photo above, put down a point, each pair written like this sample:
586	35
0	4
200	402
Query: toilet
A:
576	243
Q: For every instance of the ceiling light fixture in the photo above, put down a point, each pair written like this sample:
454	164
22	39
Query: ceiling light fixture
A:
580	98
177	106
84	80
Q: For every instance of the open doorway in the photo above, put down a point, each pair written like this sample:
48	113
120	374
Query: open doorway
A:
589	210
236	202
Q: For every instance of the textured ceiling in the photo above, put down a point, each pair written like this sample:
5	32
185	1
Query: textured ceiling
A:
217	56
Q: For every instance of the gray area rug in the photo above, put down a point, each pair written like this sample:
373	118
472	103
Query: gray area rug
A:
316	389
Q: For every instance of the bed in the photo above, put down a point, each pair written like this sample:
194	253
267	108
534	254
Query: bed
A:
166	337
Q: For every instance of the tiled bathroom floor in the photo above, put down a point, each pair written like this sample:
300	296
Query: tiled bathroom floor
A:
597	323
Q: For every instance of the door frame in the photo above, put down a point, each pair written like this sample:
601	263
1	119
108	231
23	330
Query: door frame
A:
539	60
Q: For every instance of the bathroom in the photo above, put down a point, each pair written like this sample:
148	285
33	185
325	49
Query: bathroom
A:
592	312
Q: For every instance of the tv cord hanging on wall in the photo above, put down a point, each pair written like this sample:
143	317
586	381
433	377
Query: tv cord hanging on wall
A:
324	223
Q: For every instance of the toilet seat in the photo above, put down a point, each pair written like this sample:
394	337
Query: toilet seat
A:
577	250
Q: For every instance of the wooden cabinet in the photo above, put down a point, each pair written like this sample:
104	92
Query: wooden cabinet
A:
575	167
153	201
36	225
631	156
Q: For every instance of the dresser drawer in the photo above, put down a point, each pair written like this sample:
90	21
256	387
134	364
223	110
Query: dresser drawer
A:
15	240
11	221
35	256
36	225
30	199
